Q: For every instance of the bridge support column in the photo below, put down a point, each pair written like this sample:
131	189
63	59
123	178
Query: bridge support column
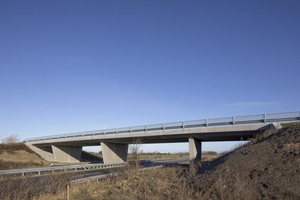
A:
67	154
195	148
114	153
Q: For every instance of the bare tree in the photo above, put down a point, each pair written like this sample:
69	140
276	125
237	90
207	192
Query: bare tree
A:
10	139
135	150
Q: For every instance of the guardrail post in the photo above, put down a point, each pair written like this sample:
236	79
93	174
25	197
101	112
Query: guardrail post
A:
206	122
265	118
183	124
233	121
116	130
163	126
129	129
145	128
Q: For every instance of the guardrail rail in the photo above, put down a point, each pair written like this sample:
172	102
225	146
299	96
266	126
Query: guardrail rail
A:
40	171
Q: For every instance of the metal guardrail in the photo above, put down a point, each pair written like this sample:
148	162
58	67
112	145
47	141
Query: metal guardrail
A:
239	120
111	175
39	171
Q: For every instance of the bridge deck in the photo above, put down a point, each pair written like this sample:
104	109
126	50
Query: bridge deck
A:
231	133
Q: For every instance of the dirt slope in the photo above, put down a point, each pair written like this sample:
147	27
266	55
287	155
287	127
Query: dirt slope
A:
267	168
16	156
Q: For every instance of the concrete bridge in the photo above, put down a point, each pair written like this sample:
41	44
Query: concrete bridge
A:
114	142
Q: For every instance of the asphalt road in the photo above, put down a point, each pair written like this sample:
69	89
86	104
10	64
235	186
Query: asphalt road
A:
144	164
98	172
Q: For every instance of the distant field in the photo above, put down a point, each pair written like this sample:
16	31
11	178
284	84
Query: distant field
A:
159	156
205	157
151	156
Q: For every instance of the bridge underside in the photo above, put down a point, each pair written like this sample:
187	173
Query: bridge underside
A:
115	146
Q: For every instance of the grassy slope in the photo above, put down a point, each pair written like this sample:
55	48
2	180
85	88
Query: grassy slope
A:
16	156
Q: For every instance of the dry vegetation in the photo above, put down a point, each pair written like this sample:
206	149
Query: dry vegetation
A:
33	187
10	139
18	155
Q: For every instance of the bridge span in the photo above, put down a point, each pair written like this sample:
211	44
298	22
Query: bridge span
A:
114	142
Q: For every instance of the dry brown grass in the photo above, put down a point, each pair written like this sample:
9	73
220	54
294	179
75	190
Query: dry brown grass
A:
16	156
130	184
33	187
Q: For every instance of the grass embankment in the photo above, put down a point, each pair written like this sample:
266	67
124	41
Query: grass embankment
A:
18	155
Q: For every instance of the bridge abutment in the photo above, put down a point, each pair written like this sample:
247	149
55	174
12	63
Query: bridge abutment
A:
195	148
45	152
68	154
114	153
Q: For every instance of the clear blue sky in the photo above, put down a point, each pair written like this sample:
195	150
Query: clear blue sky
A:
70	66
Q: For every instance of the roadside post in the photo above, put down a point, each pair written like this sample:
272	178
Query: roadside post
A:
68	190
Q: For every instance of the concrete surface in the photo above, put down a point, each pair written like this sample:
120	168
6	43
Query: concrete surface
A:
228	133
67	154
114	152
44	151
195	148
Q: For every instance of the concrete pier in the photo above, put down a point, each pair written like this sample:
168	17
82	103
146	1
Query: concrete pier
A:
114	153
195	148
67	154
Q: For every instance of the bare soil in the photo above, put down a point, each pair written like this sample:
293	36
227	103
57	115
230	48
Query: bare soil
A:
267	168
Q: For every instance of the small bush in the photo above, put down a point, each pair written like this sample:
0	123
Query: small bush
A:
10	139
